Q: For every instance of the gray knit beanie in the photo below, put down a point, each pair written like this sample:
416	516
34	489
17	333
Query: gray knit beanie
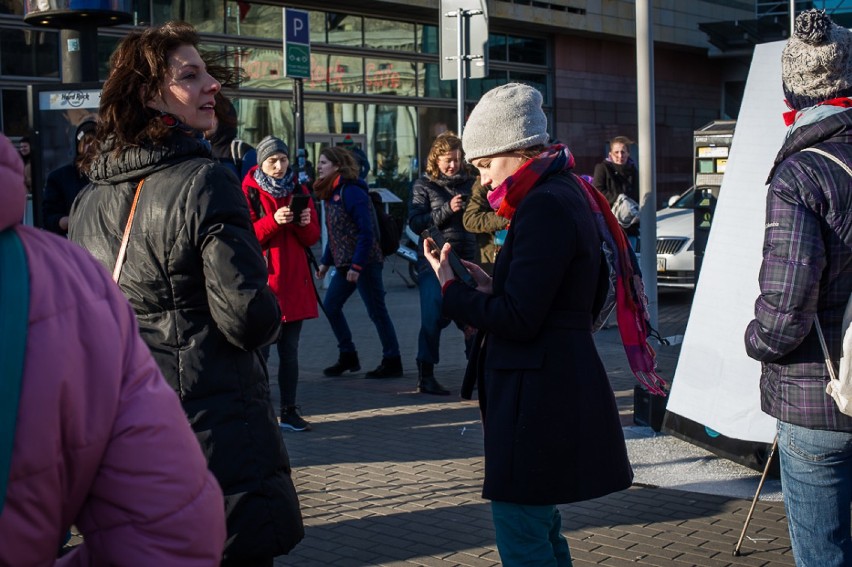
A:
268	146
816	64
508	117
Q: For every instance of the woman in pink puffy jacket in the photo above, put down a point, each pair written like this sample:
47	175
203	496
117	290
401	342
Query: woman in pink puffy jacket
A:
101	441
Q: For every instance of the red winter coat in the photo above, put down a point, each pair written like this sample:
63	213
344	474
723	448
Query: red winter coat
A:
283	246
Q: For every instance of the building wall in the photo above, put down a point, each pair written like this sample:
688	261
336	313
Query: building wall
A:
596	99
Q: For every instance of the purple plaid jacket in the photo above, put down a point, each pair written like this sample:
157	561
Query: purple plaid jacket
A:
807	269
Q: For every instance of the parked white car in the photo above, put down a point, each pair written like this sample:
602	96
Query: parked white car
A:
675	244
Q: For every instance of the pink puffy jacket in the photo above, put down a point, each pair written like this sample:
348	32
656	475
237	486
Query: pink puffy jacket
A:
101	440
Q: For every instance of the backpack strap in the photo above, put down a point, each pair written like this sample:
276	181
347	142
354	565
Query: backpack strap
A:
14	305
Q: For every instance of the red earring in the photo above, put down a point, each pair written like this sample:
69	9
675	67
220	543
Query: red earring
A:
168	120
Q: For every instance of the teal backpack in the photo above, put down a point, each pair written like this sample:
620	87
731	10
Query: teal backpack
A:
14	310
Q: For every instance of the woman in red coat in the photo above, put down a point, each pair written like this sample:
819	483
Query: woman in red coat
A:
284	230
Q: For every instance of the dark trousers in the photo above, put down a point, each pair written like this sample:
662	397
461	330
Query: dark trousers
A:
288	361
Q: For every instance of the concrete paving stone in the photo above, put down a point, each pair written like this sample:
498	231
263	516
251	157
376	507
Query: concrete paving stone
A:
678	530
608	541
620	562
653	549
715	526
655	561
760	531
698	556
462	536
468	560
425	561
630	555
582	544
642	539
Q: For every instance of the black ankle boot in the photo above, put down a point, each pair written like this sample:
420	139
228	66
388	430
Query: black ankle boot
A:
347	361
391	367
426	383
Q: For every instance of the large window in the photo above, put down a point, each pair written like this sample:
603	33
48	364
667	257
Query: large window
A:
344	29
254	20
12	7
262	68
336	73
208	16
29	53
14	112
516	49
387	76
389	35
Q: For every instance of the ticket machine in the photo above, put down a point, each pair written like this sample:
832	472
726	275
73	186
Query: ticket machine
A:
712	145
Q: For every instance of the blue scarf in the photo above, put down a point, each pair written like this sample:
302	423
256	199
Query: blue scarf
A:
278	188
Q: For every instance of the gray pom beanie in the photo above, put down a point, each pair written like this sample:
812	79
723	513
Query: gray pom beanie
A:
508	117
816	64
268	146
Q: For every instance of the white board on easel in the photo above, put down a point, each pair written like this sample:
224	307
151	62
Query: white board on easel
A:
716	384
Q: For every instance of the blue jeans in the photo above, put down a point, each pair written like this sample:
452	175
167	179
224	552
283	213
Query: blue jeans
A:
372	290
816	478
530	535
431	321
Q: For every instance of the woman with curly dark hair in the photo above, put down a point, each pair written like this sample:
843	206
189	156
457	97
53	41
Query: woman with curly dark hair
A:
194	274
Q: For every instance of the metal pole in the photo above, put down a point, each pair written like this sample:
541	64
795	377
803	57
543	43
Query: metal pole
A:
462	53
792	17
79	54
647	146
299	122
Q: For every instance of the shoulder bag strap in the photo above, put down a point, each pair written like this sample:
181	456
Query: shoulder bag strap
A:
832	157
122	251
14	305
831	371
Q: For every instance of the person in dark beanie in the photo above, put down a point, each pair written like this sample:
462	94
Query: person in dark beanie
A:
64	183
550	421
804	282
283	232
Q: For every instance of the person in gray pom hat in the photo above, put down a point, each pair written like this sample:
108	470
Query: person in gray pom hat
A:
804	282
550	421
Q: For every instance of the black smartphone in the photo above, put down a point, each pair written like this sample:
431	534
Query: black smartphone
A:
298	204
455	262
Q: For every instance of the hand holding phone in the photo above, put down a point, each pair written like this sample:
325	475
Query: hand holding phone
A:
298	204
455	262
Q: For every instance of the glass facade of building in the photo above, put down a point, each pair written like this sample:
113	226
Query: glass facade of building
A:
373	78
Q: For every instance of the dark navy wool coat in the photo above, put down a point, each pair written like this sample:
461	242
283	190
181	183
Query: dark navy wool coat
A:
552	431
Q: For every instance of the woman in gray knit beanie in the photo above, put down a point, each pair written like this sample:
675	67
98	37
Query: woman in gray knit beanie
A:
551	425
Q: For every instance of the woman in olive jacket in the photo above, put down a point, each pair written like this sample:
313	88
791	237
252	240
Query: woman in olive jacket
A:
194	274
